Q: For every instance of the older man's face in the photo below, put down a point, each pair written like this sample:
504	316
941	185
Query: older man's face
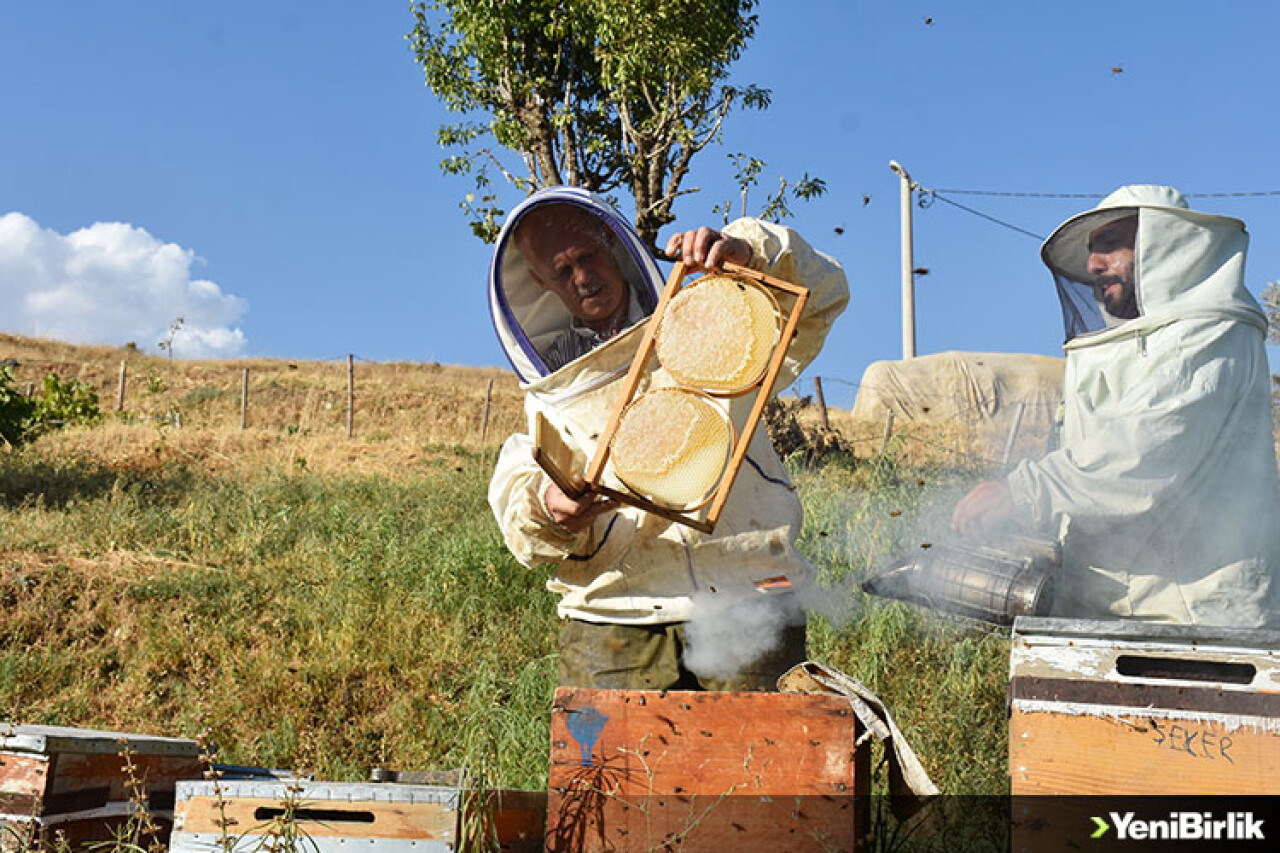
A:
1111	263
570	253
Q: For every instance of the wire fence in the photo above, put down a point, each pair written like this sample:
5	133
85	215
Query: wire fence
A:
366	400
359	397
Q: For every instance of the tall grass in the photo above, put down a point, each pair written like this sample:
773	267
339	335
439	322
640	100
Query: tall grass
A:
943	680
332	623
334	620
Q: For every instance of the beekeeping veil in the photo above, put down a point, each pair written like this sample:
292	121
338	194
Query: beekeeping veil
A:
1186	264
527	318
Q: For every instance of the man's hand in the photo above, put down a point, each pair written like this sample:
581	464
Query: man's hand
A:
706	249
984	511
575	514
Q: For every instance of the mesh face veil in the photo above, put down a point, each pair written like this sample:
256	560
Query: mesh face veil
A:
1083	291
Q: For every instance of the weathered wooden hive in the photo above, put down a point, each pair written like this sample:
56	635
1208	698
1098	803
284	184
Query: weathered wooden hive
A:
1134	710
246	814
1131	708
74	781
333	817
705	771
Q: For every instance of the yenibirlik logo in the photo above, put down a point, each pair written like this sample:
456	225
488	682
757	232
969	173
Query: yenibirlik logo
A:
1183	826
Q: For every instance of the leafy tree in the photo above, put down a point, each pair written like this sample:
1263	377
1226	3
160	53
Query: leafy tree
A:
601	94
1271	304
175	326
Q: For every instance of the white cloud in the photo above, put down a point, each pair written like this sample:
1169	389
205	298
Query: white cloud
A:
111	283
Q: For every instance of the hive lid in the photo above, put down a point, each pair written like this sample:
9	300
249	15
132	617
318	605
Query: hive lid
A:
307	791
59	739
1027	628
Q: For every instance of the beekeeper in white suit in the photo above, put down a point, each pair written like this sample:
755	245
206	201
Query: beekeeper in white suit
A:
1164	488
570	287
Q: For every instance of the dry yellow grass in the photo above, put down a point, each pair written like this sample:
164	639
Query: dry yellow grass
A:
296	410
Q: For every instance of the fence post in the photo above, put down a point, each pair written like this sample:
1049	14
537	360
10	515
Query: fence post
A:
888	431
822	403
484	420
120	388
244	399
1013	432
351	395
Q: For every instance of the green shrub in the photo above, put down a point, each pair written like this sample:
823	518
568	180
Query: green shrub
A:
65	401
61	402
15	409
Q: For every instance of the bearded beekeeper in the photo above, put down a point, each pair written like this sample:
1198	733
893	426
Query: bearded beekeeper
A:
571	286
1163	490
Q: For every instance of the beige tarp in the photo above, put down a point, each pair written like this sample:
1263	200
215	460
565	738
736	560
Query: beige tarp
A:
962	386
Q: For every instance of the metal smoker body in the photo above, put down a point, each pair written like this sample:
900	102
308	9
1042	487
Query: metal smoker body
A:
992	583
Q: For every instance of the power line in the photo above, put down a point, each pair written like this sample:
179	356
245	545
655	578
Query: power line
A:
1019	194
1005	194
934	194
1255	194
928	196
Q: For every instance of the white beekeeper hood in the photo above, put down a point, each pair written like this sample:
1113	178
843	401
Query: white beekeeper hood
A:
1186	264
526	317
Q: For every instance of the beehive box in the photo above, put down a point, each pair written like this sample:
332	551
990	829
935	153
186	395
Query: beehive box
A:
325	817
515	819
73	780
695	771
1128	708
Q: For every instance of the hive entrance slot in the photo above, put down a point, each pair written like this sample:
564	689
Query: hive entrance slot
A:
315	815
1223	672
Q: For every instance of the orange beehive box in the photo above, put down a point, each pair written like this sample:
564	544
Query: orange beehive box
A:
642	770
1128	708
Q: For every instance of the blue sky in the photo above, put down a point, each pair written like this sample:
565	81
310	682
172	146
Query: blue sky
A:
269	170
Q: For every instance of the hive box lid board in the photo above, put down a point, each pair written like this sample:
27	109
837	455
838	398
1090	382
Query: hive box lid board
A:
47	740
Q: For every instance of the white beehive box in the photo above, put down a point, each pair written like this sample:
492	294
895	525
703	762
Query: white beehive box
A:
326	817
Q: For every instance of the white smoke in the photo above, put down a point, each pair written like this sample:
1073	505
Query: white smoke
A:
723	640
112	283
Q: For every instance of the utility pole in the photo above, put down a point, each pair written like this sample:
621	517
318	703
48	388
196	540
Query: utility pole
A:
908	266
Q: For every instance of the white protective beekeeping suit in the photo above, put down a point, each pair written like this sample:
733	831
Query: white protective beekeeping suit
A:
1164	487
631	567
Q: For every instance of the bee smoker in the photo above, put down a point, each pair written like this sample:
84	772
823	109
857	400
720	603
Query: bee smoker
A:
993	583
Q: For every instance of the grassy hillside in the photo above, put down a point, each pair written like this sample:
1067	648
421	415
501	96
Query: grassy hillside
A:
330	604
